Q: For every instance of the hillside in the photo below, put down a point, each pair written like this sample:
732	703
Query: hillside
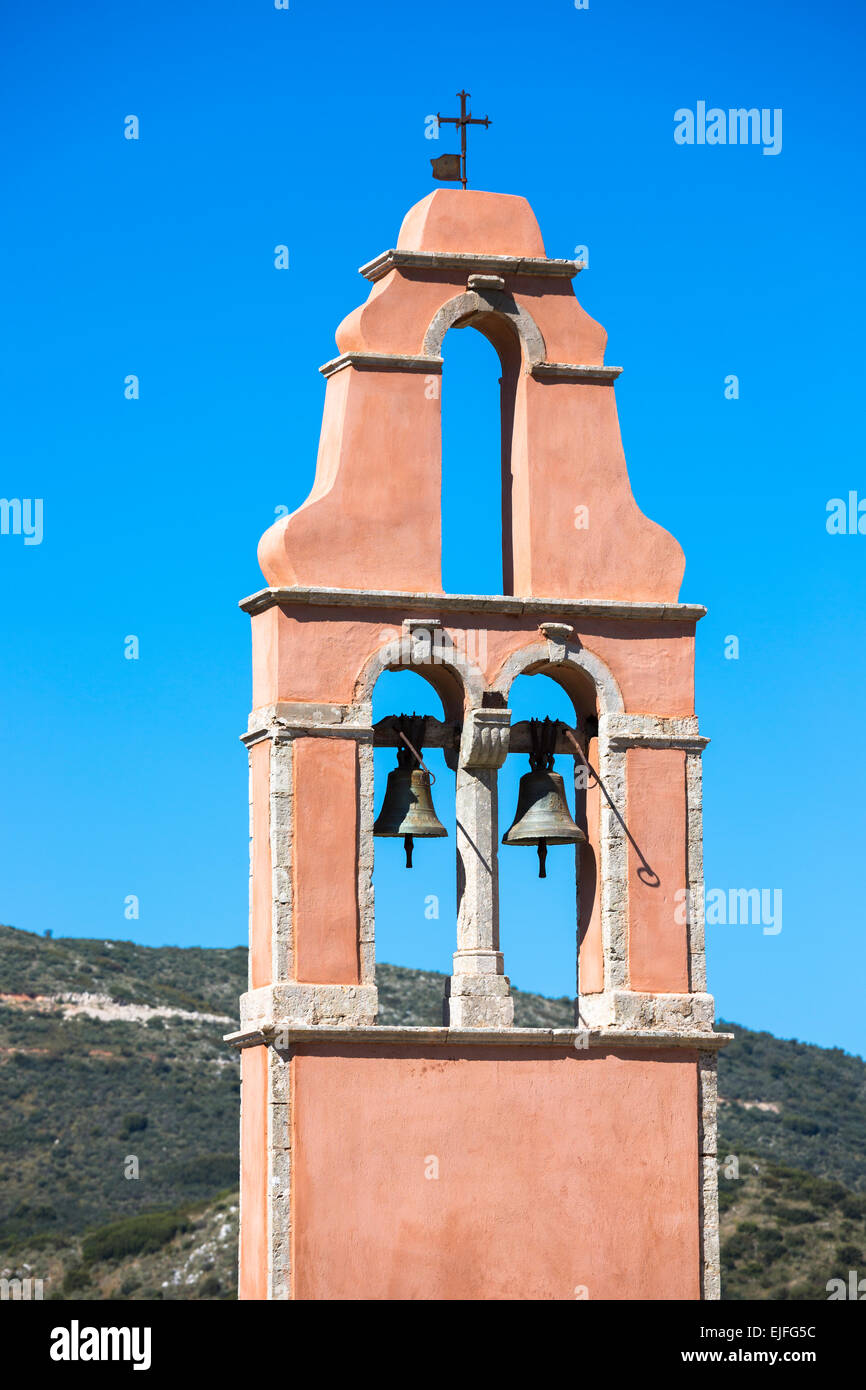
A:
112	1063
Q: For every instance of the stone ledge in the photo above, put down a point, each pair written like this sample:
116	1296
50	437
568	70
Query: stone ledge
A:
653	731
285	733
316	595
578	1038
286	719
574	371
476	261
382	362
433	364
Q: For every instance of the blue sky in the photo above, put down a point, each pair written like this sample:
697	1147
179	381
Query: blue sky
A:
260	127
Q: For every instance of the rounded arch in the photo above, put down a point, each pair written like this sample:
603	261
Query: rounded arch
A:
429	652
572	667
495	314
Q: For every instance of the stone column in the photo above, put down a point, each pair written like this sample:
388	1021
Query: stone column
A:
478	993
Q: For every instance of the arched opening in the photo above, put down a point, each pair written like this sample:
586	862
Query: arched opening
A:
414	908
478	384
543	920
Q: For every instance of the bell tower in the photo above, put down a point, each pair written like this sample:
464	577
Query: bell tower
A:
476	1159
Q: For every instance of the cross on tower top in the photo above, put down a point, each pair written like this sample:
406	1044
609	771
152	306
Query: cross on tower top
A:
452	167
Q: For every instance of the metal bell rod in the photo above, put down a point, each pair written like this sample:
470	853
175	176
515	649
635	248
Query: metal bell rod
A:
645	872
414	751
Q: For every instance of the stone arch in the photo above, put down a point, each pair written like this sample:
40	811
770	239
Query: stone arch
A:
495	314
557	660
430	652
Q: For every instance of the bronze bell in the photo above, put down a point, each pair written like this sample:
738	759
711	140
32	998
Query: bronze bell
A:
542	816
407	807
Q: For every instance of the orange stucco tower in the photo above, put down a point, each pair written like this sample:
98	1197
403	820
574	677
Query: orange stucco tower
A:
575	1162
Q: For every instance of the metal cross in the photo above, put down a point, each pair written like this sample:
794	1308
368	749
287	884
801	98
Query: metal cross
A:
462	121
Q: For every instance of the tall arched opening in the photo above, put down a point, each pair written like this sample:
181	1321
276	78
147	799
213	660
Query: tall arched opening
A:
548	925
414	908
471	466
478	424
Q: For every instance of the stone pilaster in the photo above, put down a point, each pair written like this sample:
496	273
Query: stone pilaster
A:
709	1174
284	997
614	867
695	871
366	891
281	833
279	1215
618	732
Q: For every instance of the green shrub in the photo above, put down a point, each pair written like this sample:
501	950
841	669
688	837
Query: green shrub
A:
737	1247
132	1124
136	1235
795	1216
213	1172
801	1126
801	1292
75	1279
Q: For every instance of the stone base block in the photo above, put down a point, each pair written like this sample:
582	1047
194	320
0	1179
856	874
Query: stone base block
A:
670	1013
478	1001
298	1004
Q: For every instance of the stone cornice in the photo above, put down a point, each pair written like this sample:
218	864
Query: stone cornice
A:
291	1035
382	362
432	366
545	608
653	731
469	261
573	371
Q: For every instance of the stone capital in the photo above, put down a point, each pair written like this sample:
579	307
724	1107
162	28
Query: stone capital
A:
485	738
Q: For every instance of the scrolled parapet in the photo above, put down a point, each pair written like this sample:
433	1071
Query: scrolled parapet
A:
485	738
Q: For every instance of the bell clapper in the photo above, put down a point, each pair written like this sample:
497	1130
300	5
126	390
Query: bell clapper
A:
408	845
542	859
